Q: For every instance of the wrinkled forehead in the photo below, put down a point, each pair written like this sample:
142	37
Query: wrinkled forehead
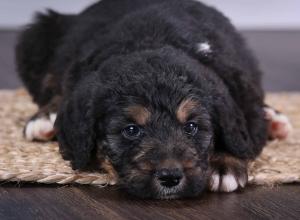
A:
181	112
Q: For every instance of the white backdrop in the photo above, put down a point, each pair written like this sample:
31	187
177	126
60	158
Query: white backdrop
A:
245	14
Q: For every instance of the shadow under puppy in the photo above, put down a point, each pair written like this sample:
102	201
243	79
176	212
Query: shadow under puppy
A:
165	90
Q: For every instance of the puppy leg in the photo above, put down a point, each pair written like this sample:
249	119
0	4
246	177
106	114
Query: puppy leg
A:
41	125
279	126
227	173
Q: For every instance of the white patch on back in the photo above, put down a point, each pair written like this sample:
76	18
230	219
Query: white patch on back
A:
203	47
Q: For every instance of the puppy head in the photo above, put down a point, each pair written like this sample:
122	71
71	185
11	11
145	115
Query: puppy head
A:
159	152
157	130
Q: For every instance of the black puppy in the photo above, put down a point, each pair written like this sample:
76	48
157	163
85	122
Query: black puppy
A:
165	90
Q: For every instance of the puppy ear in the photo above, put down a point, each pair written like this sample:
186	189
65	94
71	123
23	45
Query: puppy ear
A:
232	131
75	126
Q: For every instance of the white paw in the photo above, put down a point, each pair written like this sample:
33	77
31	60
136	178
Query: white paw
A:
41	129
227	182
279	125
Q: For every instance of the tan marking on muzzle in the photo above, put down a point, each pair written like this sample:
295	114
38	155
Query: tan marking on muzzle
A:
145	166
170	164
188	164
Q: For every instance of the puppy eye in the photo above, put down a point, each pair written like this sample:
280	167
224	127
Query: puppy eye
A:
190	128
131	132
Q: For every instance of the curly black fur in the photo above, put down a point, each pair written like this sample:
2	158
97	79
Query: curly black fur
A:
122	53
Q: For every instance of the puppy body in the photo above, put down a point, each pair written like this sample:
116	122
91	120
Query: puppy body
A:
169	62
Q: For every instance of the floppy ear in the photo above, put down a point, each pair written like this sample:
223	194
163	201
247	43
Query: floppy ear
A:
75	126
232	131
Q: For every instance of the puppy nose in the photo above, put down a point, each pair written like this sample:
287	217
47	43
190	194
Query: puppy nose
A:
169	177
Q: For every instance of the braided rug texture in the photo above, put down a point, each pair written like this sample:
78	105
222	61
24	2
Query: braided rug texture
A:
21	160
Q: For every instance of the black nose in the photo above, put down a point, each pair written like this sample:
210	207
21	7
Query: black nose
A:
169	177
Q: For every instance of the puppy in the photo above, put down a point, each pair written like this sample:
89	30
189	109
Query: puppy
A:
165	90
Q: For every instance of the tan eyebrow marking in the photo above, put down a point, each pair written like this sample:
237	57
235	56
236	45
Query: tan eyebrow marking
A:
185	108
139	114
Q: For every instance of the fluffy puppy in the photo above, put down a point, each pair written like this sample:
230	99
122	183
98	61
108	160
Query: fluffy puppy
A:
165	90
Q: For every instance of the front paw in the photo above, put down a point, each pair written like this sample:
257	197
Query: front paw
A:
227	173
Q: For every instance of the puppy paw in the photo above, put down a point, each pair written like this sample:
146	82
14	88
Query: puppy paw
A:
227	174
40	128
279	126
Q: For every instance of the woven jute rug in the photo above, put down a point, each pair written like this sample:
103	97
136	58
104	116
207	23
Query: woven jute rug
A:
25	161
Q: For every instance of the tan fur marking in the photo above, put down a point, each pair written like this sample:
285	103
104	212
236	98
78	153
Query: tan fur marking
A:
108	167
184	109
145	166
141	154
139	113
145	149
188	164
170	164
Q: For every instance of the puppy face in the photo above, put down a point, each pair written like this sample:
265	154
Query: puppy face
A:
159	152
157	116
